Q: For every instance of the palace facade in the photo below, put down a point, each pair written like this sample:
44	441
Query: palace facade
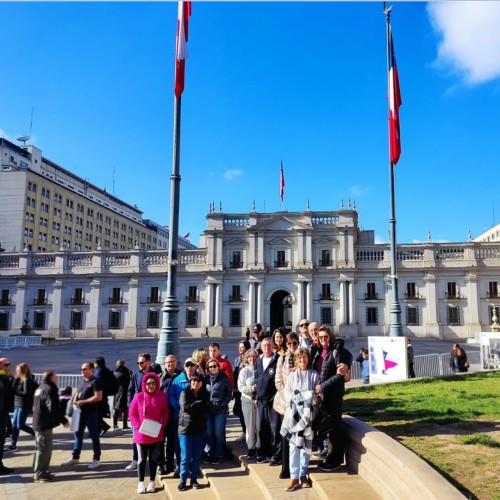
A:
273	268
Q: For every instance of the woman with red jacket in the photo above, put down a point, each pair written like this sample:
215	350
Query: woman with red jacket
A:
151	404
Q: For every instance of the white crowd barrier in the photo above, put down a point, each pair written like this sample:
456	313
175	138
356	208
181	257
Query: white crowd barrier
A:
20	341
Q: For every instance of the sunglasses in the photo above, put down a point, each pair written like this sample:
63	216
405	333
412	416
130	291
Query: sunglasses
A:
190	365
293	342
152	382
141	362
303	325
212	367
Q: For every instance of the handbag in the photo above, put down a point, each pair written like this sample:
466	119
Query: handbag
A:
148	426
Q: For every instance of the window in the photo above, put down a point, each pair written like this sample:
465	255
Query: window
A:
153	318
490	314
58	198
451	288
191	318
89	224
326	315
56	226
42	236
412	316
76	322
70	203
55	240
326	293
39	320
32	187
79	221
90	212
68	216
235	293
4	321
326	259
78	296
79	208
371	294
411	291
234	317
115	296
43	222
114	320
29	217
236	260
493	290
154	295
40	299
108	219
46	193
44	207
192	294
453	315
372	316
28	232
57	212
4	298
280	259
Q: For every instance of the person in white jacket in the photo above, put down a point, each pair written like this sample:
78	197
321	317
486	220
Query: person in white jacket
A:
246	386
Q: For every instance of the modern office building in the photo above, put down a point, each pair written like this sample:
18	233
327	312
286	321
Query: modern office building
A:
44	207
274	268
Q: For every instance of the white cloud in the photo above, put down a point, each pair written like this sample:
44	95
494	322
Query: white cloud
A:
358	190
3	134
470	38
232	173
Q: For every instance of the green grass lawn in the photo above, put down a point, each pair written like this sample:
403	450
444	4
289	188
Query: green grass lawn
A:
451	422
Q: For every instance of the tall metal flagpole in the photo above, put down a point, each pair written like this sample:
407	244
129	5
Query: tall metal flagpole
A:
396	329
168	342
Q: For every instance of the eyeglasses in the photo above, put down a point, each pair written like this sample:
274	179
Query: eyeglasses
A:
150	382
212	367
189	365
303	325
292	342
323	337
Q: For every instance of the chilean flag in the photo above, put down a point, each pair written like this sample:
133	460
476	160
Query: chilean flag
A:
181	52
282	182
394	104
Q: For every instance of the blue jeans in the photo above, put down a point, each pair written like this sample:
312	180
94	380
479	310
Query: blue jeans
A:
216	434
88	420
19	424
191	448
299	462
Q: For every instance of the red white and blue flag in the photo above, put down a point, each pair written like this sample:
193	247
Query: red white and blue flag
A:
394	104
181	52
282	182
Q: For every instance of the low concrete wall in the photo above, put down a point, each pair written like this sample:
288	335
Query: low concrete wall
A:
390	469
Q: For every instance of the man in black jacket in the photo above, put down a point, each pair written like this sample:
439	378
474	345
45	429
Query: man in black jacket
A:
265	388
47	414
6	405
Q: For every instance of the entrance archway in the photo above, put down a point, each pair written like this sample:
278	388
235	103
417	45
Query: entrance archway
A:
280	313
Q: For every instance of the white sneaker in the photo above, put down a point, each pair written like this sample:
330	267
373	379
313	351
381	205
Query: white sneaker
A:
71	461
151	487
140	487
132	465
94	464
241	438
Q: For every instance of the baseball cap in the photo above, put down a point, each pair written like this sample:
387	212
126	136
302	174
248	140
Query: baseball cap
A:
190	361
257	327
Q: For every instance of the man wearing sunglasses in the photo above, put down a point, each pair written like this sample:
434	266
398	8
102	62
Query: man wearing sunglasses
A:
305	338
6	405
135	386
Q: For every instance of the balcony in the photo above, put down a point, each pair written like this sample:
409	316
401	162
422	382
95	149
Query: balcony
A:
154	300
6	302
191	299
235	265
116	301
412	296
78	301
371	296
280	263
454	296
326	296
325	263
236	298
41	302
490	295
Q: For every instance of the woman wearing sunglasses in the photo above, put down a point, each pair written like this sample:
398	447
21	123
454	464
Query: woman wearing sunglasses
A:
286	364
219	387
150	404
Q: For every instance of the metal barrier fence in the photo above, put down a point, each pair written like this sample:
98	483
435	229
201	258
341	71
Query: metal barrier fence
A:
430	365
20	341
63	380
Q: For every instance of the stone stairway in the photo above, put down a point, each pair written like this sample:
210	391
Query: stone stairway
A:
239	479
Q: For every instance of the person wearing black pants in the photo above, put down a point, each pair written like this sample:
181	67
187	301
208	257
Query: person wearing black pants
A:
265	389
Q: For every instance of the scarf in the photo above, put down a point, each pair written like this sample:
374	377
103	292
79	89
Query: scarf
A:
300	411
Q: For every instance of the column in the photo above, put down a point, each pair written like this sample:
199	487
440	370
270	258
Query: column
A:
218	304
352	304
342	305
131	328
309	300
251	303
54	319
432	304
473	304
208	304
259	302
95	316
21	305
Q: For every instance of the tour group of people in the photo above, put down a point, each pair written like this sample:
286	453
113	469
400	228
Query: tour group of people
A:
287	390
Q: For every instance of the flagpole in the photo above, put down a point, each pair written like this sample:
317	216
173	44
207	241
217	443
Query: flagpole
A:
396	329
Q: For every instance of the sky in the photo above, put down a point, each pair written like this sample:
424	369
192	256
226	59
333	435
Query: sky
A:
304	83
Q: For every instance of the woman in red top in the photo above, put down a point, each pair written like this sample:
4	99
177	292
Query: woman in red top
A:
150	404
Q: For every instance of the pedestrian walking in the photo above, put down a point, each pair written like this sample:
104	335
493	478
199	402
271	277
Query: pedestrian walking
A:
6	406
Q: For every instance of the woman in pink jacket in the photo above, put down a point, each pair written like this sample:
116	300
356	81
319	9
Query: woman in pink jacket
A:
151	404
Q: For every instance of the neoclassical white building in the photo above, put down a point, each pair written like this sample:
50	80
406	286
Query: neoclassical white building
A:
273	268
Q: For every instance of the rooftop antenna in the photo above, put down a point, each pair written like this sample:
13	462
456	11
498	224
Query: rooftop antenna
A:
25	138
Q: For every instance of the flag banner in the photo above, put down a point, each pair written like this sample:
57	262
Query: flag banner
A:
181	52
282	183
187	235
394	103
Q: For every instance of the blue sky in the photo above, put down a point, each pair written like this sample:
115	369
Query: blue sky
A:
300	81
